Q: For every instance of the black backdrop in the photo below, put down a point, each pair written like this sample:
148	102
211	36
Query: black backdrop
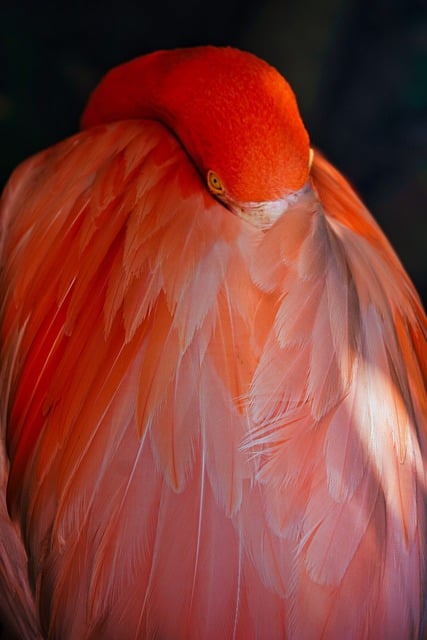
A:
358	67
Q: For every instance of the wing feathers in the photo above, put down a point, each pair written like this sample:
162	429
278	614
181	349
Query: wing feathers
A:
251	403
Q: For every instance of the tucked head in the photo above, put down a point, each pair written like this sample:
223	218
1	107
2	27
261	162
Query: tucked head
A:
235	115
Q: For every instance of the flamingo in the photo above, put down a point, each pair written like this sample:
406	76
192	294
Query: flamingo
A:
213	374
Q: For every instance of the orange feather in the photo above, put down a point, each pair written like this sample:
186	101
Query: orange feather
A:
211	427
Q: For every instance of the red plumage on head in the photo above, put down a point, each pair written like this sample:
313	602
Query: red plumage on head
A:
234	114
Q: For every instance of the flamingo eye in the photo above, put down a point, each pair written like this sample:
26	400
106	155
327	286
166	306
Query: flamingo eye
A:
215	184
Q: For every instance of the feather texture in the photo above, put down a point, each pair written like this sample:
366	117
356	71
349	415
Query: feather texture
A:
212	430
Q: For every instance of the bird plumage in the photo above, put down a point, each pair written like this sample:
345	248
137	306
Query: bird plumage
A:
210	429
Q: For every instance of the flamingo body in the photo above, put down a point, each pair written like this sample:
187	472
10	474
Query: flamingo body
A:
211	428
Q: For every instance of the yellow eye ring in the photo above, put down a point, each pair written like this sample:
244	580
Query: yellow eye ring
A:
215	183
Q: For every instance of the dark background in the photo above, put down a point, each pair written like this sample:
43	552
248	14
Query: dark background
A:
358	67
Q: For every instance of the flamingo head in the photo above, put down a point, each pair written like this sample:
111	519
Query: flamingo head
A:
234	114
